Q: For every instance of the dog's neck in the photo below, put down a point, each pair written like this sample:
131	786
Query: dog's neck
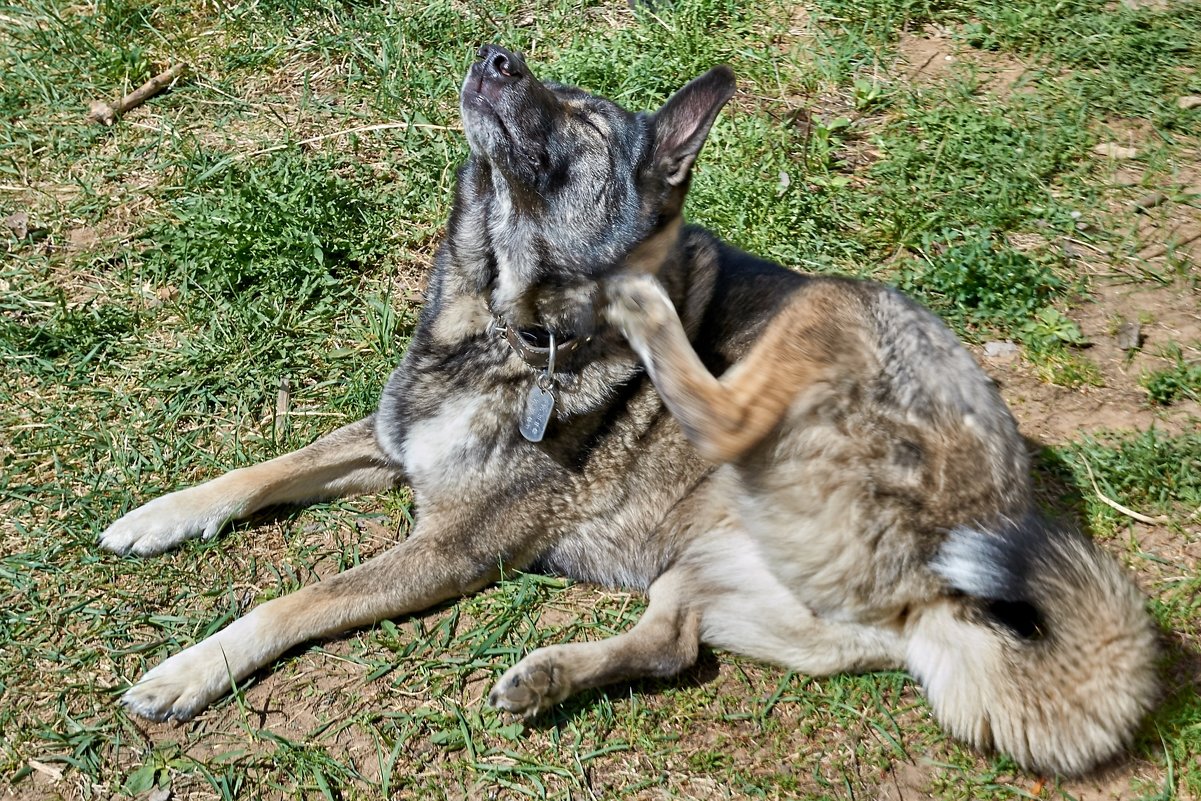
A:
539	348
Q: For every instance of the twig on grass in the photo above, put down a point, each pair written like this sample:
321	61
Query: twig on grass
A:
106	114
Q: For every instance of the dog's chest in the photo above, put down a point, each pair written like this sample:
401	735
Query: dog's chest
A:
450	449
455	432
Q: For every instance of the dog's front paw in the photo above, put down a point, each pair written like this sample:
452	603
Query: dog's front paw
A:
168	521
638	306
532	686
182	686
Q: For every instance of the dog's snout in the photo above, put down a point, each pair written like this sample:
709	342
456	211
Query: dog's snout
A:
500	64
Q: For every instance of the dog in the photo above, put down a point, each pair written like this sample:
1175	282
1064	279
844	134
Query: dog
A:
811	471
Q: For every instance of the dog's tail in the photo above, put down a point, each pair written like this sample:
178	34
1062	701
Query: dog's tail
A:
1043	648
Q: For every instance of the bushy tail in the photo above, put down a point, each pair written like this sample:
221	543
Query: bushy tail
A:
1049	653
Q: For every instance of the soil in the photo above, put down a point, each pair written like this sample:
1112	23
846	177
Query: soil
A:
1052	414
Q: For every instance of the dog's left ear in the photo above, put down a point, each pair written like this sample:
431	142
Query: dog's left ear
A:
685	119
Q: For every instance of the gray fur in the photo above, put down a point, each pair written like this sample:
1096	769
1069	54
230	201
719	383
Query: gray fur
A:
863	528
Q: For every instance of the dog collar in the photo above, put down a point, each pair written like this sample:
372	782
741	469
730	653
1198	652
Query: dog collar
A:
525	344
539	407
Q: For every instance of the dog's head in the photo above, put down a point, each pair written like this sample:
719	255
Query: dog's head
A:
568	184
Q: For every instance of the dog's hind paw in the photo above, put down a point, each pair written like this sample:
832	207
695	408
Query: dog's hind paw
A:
638	305
532	686
179	688
166	522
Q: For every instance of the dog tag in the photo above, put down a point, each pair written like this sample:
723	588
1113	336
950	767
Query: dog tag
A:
539	405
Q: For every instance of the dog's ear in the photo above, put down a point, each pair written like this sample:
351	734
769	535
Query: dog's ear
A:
684	121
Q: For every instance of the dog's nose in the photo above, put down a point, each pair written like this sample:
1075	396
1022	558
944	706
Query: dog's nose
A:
500	64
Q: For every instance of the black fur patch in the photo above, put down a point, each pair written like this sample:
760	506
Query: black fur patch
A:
1020	617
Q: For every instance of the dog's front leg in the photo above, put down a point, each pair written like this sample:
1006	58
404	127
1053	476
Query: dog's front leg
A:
428	568
345	462
663	642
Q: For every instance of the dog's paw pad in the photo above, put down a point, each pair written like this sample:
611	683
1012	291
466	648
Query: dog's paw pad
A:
528	688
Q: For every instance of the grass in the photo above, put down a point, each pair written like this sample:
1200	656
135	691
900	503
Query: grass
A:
173	270
1181	380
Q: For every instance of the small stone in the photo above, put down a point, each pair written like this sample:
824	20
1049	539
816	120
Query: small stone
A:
1188	101
18	223
1129	335
1115	151
1003	350
783	183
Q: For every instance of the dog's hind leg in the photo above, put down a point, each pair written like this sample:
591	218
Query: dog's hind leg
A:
345	462
724	418
749	611
721	592
662	643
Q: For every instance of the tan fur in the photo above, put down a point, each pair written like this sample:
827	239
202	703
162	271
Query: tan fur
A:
663	642
723	418
838	519
344	462
866	502
468	317
652	253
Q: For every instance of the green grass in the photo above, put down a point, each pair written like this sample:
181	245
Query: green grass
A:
178	266
1181	380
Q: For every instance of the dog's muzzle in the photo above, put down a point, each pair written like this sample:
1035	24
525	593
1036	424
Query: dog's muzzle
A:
495	69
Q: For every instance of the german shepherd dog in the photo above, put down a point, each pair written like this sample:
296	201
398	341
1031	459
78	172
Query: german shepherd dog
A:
850	494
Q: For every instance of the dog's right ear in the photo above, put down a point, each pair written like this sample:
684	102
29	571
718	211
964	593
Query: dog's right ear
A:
685	119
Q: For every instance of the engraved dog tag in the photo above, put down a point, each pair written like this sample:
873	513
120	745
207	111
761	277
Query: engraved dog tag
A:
539	405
